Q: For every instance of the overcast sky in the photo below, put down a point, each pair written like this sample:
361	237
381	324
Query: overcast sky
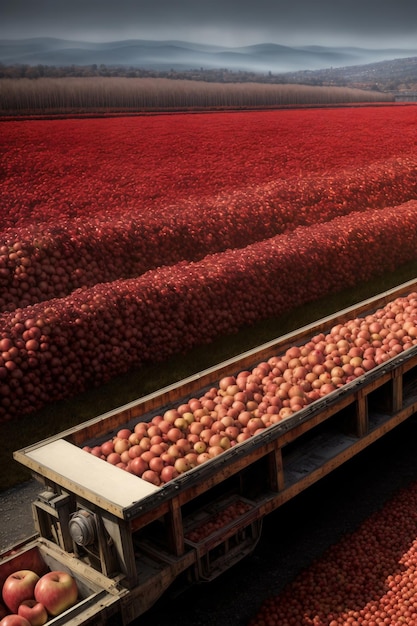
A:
369	23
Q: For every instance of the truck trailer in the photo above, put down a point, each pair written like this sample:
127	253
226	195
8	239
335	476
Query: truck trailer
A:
126	540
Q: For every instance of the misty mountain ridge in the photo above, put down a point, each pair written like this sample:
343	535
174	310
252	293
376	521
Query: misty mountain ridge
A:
181	55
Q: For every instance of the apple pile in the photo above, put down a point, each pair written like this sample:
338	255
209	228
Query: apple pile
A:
67	254
65	168
56	349
31	600
221	519
368	578
244	404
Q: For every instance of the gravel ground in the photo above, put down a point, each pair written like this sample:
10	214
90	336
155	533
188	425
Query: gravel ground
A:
16	513
292	537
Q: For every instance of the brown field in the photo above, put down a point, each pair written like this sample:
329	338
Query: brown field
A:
136	94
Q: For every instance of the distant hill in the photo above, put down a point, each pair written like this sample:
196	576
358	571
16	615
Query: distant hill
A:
393	74
184	56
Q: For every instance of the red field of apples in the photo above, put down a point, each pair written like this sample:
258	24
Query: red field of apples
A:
127	240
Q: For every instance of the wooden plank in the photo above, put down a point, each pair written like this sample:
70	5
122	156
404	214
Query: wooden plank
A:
54	520
120	533
105	548
409	363
397	390
362	425
175	527
276	470
377	382
83	474
305	425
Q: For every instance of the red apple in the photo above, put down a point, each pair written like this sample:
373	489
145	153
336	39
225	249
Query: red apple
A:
168	473
17	587
57	591
14	620
138	466
34	612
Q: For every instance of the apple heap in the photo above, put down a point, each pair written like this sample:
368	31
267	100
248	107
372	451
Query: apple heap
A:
31	599
53	350
367	578
221	519
38	263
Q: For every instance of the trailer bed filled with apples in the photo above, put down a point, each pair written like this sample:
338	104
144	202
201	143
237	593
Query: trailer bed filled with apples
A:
134	535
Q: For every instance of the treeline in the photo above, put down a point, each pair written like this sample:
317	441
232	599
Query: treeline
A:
46	95
216	75
384	76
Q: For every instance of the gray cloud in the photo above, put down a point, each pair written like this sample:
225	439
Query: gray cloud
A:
216	21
